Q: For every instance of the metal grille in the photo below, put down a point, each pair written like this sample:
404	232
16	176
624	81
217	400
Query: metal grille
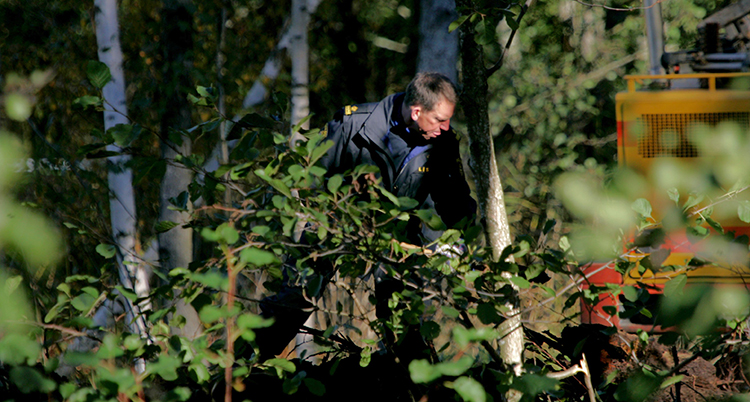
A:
669	134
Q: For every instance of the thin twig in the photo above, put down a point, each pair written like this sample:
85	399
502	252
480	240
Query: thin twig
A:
501	59
617	8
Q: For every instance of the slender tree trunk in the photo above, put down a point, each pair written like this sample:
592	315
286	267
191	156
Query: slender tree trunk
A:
438	48
122	199
176	245
272	66
299	52
490	194
258	91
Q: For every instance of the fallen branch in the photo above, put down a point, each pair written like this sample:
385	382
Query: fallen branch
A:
581	367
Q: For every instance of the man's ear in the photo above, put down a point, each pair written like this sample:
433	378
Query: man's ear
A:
415	111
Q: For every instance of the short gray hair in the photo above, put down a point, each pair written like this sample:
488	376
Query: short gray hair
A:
426	89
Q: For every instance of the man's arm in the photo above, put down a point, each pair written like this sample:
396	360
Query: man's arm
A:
335	131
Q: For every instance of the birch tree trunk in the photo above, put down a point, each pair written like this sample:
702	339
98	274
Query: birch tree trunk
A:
176	245
438	48
122	199
258	91
489	188
272	66
299	53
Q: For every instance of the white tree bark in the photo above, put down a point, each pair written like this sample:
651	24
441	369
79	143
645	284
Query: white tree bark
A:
132	274
258	92
299	52
438	48
272	66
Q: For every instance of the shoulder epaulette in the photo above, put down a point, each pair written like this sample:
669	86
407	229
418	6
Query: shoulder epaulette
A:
359	109
348	109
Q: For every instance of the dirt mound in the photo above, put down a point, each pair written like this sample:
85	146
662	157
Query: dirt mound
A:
615	357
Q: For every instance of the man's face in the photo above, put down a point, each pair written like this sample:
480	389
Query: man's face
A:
429	123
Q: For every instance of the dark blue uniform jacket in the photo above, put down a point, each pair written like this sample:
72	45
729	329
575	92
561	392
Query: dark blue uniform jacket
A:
428	171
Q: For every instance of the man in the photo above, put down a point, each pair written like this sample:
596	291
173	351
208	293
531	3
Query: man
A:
409	138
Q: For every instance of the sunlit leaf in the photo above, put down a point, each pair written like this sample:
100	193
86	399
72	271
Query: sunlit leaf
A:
643	207
106	250
164	226
470	389
457	23
18	107
258	257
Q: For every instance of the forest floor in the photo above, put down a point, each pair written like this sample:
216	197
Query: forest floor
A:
616	356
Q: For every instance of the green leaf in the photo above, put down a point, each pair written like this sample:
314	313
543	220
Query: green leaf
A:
743	211
205	92
201	372
522	283
106	250
630	293
11	284
281	365
29	380
214	280
316	387
450	311
457	23
365	357
253	321
109	348
212	314
674	195
98	73
693	200
714	225
421	371
83	302
430	218
55	310
455	368
643	207
180	202
488	314
334	183
485	32
671	380
302	121
164	226
165	367
129	294
258	257
470	389
18	107
228	234
675	286
17	349
275	183
197	101
124	134
407	203
534	384
430	330
510	19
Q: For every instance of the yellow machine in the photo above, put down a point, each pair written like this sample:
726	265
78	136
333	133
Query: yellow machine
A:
657	124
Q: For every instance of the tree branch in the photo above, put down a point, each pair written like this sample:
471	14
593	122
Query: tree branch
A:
499	62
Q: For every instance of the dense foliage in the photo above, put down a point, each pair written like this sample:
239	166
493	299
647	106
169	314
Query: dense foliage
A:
287	227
